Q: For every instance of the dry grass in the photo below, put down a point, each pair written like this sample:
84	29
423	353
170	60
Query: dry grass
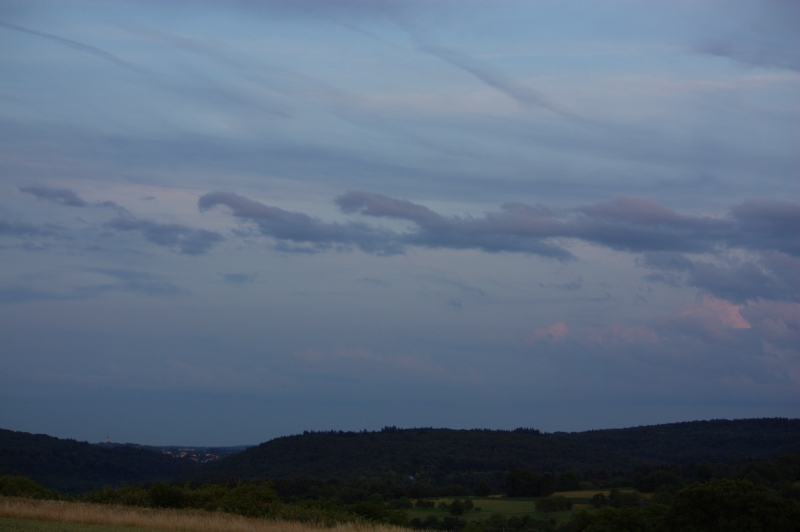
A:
183	520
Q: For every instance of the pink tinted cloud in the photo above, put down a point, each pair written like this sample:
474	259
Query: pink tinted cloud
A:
709	318
777	322
556	332
715	311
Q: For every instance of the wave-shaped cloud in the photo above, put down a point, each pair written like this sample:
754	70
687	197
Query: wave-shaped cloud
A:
766	228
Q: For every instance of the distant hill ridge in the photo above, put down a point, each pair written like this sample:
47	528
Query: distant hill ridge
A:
443	456
71	466
433	456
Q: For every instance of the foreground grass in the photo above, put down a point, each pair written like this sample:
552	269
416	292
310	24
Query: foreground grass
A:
8	524
13	511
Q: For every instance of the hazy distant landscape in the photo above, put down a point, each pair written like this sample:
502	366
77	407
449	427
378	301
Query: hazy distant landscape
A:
481	480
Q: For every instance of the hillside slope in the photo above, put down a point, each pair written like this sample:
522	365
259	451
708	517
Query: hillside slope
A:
443	456
73	467
700	441
438	456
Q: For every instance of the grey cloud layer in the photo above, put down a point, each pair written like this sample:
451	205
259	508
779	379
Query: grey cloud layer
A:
188	240
18	229
294	228
768	228
62	196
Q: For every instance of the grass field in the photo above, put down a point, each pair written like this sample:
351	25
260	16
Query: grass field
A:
8	524
510	507
26	515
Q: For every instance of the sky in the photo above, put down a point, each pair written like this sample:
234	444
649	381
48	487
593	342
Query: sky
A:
224	222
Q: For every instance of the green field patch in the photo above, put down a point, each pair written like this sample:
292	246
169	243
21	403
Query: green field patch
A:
507	507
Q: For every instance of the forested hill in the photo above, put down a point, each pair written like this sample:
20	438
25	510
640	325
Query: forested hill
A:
73	467
444	456
700	441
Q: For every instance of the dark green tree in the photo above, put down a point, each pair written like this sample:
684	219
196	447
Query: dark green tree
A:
522	483
725	505
546	485
456	507
164	496
555	503
568	481
482	489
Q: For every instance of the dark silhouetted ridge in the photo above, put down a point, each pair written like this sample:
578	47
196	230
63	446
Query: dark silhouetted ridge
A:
445	456
73	467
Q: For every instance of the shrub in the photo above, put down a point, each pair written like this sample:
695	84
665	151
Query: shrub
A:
403	503
625	499
164	496
24	487
554	503
599	500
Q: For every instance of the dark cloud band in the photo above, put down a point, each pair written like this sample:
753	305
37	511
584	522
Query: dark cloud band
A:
766	228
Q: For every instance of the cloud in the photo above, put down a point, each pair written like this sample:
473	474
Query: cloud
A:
133	281
297	231
93	50
768	224
517	228
520	93
62	196
761	34
754	54
555	332
190	241
641	224
709	318
773	275
765	229
777	322
19	228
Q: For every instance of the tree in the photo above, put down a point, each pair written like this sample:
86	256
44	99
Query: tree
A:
568	481
657	479
553	504
546	485
457	507
163	496
23	487
482	489
731	505
599	500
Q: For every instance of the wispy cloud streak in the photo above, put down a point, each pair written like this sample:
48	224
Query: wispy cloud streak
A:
93	50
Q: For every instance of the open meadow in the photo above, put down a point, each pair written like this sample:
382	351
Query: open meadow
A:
509	507
26	515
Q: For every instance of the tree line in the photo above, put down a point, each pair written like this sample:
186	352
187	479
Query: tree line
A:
759	495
